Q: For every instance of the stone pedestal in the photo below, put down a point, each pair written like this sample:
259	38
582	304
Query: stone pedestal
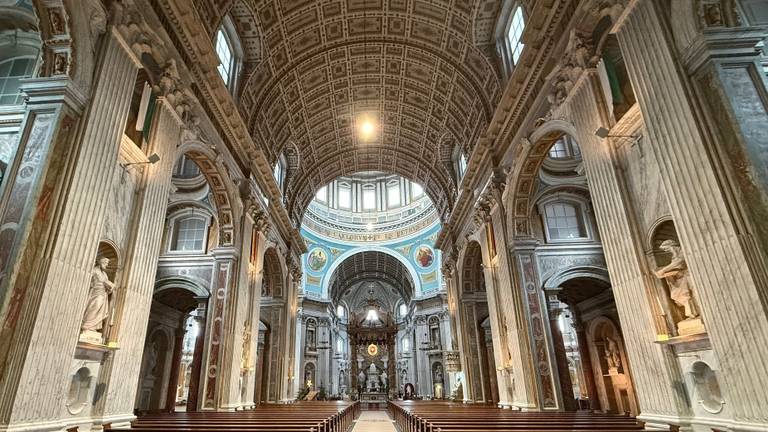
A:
690	327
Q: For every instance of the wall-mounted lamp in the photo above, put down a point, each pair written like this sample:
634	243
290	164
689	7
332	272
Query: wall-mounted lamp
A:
604	133
153	159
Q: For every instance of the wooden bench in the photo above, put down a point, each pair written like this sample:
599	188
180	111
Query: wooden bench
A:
298	417
433	416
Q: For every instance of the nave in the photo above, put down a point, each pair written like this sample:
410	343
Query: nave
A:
436	214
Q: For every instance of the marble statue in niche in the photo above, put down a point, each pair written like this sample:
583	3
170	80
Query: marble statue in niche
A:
98	307
680	290
612	355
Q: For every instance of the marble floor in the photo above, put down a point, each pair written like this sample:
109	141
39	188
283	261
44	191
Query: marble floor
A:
374	421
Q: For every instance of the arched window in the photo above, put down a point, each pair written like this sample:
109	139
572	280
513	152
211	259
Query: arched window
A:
510	33
340	311
565	148
406	344
186	168
189	234
564	221
339	345
230	53
403	310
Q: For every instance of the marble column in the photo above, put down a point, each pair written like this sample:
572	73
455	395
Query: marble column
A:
563	371
178	345
50	296
134	296
423	370
196	374
586	363
716	236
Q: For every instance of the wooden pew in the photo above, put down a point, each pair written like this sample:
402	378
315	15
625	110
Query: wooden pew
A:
434	416
298	417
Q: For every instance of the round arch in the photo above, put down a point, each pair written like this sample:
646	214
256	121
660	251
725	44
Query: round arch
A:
522	188
591	272
224	192
192	284
336	263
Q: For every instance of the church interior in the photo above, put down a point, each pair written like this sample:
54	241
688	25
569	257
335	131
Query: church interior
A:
384	215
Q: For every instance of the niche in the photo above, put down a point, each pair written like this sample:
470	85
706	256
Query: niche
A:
434	332
706	388
677	296
79	388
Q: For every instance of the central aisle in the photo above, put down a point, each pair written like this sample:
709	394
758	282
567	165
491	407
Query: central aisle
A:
374	421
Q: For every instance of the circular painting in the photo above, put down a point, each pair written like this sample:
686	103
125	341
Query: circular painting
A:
317	259
424	256
373	350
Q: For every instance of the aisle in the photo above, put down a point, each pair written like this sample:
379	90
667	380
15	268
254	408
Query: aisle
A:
374	421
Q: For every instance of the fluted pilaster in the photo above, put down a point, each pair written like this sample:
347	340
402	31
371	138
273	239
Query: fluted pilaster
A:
728	272
59	277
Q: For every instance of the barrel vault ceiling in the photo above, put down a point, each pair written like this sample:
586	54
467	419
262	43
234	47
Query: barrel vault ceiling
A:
423	69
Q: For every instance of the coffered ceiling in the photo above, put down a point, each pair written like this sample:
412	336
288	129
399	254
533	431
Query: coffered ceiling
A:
359	270
422	69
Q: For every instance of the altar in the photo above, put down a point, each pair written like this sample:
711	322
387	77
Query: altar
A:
375	399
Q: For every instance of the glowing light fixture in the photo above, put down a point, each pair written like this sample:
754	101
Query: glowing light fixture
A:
369	226
367	127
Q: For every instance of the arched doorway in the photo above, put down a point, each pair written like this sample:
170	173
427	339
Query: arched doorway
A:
480	368
173	351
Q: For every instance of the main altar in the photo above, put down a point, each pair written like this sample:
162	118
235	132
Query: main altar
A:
373	359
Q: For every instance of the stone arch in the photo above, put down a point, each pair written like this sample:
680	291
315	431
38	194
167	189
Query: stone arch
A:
591	272
193	284
472	276
223	189
524	175
403	260
273	280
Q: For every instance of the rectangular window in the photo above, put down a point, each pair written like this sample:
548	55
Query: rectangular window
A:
189	235
322	194
563	221
514	35
224	51
462	165
393	195
345	197
369	199
416	190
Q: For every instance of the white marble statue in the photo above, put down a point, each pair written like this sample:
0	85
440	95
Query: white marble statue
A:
97	309
676	275
372	384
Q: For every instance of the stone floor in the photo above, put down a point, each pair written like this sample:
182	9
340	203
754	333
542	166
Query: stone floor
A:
374	421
